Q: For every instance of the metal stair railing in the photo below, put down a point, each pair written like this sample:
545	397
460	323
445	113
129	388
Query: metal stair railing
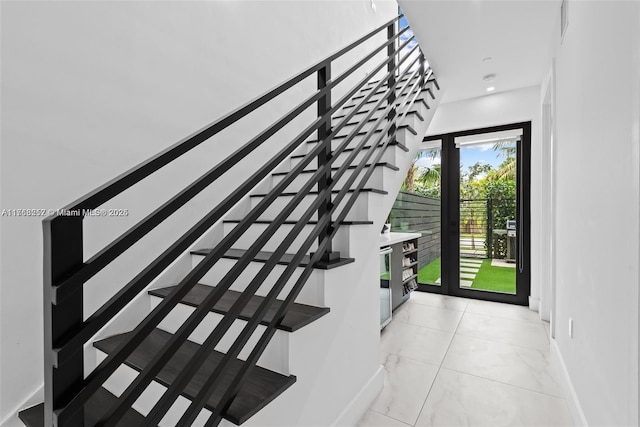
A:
66	388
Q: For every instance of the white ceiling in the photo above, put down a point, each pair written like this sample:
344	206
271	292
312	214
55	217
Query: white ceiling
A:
456	36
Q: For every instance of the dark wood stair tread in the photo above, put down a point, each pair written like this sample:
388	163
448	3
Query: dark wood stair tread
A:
403	79
261	387
360	133
297	316
365	132
365	106
374	100
367	146
359	113
93	411
286	259
382	90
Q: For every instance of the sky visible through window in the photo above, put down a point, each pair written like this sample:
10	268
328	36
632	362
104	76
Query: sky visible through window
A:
402	23
469	155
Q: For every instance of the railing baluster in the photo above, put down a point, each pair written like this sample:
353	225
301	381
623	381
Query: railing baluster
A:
324	105
422	71
62	254
391	52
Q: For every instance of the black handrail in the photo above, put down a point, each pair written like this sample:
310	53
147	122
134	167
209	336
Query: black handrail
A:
66	389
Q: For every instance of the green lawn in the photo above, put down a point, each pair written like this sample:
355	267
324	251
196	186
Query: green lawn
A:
488	278
497	279
430	272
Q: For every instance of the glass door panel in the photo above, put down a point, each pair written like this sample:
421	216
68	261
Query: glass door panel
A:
423	212
487	215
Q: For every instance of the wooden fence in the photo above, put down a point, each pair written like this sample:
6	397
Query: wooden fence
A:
415	213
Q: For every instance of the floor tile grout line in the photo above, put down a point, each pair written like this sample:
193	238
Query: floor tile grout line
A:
452	334
435	306
503	383
388	416
438	373
411	358
462	334
426	327
506	318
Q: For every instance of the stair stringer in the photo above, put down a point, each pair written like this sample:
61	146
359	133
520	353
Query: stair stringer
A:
336	358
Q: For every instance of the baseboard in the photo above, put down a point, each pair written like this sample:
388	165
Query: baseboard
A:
571	397
534	304
361	401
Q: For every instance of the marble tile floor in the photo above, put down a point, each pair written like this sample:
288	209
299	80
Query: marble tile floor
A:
460	362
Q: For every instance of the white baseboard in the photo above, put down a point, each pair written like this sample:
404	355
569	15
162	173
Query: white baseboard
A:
534	304
361	401
570	393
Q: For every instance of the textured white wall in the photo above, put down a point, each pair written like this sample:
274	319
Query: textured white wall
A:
597	234
500	109
89	89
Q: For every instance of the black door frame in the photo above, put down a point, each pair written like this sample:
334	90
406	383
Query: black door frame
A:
450	218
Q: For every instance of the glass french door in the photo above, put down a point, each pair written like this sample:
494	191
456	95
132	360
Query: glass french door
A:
484	227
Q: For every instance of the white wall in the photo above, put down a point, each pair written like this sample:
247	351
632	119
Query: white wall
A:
90	89
500	109
596	220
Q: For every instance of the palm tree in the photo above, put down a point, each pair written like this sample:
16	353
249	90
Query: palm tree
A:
430	175
507	170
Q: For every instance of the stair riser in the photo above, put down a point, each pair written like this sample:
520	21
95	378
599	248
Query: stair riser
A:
125	375
353	123
371	102
249	237
359	212
389	156
376	180
312	293
379	92
352	144
275	356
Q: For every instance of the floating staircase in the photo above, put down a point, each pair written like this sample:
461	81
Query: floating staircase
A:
240	336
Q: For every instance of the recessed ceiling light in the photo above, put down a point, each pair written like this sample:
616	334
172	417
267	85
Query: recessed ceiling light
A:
489	78
491	89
